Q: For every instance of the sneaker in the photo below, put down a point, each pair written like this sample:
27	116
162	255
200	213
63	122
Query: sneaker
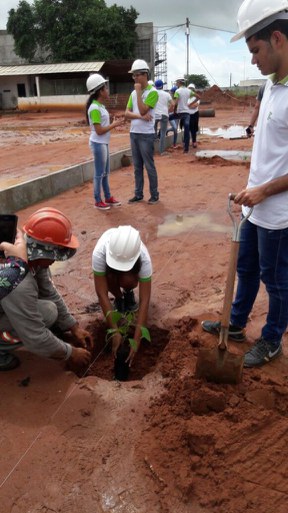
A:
262	352
135	199
119	304
101	205
235	333
8	361
152	200
112	202
130	304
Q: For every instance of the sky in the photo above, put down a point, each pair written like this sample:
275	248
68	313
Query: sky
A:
210	51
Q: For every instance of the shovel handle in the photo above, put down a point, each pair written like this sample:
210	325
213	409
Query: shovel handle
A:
236	225
229	289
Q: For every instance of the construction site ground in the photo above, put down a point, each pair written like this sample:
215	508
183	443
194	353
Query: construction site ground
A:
164	441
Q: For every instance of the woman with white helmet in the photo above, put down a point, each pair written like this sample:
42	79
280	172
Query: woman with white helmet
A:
263	253
99	121
120	263
193	104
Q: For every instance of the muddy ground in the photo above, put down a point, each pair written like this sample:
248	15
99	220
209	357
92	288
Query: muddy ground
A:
163	441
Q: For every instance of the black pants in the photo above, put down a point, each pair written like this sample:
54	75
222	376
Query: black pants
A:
194	125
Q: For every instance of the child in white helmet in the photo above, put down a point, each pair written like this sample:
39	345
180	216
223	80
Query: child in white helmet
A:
99	121
120	263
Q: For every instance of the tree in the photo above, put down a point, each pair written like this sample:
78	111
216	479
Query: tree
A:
19	25
200	81
73	30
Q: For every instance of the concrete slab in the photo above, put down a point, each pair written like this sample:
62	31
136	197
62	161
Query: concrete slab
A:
27	193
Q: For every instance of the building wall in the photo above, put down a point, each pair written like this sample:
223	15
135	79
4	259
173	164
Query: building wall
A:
68	102
7	55
10	88
145	44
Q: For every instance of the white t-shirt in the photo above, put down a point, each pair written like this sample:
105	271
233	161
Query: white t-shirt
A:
162	106
194	109
98	114
149	97
183	94
99	257
270	156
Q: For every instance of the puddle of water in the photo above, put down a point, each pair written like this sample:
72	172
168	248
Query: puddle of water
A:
225	133
242	156
181	223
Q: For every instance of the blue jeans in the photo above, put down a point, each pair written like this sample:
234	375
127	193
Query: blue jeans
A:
142	146
163	129
184	118
263	254
101	170
174	128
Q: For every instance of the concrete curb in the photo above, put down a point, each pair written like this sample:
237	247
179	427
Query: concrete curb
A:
27	193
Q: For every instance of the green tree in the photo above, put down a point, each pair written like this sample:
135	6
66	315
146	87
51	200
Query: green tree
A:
73	30
200	81
21	24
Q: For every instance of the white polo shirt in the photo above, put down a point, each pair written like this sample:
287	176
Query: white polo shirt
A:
182	94
150	98
98	114
270	155
162	106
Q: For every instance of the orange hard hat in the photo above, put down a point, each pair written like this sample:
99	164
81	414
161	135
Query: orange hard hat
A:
51	226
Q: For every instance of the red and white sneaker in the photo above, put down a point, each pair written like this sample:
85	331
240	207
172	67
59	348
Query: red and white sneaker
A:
101	205
113	202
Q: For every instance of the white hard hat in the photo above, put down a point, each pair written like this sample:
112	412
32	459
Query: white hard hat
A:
254	15
139	65
180	79
191	86
94	82
124	248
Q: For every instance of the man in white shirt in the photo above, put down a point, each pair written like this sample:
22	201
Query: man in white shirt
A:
141	111
162	113
264	237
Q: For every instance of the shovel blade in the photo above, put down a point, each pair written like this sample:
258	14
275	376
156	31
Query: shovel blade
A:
219	366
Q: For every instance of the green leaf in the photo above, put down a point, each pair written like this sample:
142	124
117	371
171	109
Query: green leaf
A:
133	343
114	315
145	333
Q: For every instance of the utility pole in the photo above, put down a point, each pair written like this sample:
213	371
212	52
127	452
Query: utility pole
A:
187	36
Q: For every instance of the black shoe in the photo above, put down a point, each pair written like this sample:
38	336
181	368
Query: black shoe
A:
135	199
235	333
119	304
152	200
8	361
130	304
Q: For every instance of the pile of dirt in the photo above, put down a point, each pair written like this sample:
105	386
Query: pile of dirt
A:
217	446
225	99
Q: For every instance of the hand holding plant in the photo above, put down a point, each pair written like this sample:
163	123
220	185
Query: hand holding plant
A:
125	324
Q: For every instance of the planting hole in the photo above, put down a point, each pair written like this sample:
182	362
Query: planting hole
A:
145	360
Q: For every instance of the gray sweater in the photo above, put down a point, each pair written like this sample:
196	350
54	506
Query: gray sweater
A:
21	309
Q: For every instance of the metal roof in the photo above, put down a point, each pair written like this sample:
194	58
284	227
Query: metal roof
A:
41	69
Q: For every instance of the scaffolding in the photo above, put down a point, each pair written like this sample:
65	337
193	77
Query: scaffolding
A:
160	63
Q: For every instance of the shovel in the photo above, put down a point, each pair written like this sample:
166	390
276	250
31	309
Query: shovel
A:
218	364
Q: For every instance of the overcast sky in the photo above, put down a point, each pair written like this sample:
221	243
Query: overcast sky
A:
210	51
